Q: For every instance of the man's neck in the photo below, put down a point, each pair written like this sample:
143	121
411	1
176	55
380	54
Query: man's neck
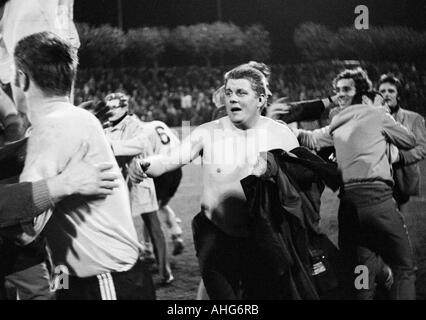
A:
251	124
40	105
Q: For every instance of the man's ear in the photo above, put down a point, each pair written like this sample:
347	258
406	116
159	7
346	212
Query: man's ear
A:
26	82
262	100
22	81
16	82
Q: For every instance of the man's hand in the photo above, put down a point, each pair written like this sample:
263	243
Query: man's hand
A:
137	169
278	108
83	178
330	102
260	167
306	140
100	110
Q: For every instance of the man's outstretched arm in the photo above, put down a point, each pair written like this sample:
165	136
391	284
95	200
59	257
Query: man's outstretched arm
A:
300	111
156	165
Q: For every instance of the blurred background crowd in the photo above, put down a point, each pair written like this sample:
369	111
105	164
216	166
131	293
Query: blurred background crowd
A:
171	73
183	93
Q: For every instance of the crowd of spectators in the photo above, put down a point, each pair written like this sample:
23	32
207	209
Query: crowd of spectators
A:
177	94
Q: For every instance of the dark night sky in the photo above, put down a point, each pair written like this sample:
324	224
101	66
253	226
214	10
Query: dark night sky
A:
279	17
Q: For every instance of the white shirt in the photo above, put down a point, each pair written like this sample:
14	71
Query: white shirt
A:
89	236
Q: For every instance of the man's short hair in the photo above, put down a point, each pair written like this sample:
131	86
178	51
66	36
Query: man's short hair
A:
254	76
49	61
262	67
392	79
218	97
266	71
363	84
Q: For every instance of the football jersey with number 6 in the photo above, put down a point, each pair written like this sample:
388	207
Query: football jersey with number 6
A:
162	138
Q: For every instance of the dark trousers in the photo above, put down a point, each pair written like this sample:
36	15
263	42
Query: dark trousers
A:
32	283
370	229
230	267
25	269
134	284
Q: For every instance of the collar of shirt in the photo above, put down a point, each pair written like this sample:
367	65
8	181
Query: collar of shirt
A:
121	126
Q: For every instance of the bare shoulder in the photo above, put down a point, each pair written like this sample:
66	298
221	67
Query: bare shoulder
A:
281	136
277	127
202	133
213	125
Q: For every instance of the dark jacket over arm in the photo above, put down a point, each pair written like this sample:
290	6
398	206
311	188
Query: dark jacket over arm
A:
304	111
22	202
284	223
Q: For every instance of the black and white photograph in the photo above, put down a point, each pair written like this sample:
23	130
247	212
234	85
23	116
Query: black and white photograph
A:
212	150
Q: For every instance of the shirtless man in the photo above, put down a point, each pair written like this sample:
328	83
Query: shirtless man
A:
229	149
